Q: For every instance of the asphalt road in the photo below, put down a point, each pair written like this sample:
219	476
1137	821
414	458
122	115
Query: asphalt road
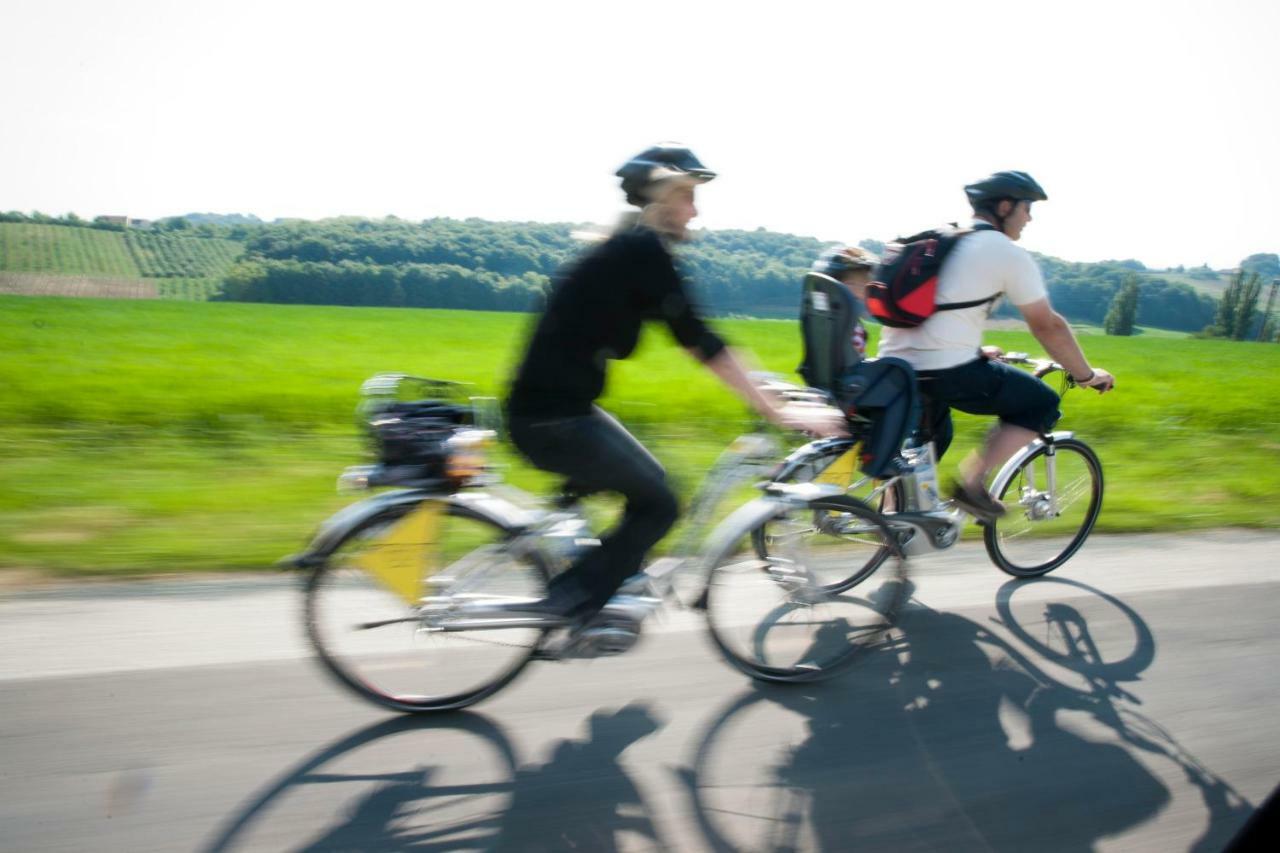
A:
187	715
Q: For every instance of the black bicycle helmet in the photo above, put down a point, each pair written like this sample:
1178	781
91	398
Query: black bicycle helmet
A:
1017	186
664	160
842	259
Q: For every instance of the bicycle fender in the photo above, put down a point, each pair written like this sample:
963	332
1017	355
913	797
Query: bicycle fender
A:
1008	469
333	529
739	522
336	526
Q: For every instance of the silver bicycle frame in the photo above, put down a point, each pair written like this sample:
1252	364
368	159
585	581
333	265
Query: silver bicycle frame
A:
1001	481
744	459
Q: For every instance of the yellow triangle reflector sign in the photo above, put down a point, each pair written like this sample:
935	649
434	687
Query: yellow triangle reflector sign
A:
404	555
840	473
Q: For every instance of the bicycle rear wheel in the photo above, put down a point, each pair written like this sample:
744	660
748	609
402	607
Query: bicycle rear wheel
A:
1053	496
772	617
383	644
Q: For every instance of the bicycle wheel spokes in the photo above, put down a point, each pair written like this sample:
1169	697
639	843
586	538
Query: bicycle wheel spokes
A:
840	549
390	650
862	553
1053	502
773	616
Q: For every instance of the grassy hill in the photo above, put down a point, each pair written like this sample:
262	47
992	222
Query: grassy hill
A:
36	258
151	436
1213	286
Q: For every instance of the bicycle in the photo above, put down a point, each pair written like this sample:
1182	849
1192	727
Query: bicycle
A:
1052	487
418	597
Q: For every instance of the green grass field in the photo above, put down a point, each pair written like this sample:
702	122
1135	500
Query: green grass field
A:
1139	331
184	267
157	436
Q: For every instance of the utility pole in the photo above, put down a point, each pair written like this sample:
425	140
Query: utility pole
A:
1266	315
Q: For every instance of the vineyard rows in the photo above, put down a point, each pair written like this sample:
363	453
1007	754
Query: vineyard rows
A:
62	260
62	250
168	256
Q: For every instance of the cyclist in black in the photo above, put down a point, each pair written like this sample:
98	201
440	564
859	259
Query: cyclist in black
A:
593	315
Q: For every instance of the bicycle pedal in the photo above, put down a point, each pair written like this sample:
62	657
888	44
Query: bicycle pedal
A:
544	653
608	634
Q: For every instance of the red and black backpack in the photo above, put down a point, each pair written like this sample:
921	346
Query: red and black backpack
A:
905	284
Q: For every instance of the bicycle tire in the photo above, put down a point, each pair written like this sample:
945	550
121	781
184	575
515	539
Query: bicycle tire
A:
749	601
808	468
1025	542
386	664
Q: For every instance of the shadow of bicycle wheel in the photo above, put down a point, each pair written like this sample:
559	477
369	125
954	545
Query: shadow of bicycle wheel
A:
386	786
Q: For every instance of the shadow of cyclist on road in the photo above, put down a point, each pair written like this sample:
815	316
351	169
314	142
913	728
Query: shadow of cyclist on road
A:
582	799
951	739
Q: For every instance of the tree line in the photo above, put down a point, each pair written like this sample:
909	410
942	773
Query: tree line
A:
474	263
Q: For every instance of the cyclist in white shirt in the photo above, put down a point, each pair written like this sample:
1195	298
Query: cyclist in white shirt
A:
956	371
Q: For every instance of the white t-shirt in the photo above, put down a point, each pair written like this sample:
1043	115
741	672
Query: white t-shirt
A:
981	264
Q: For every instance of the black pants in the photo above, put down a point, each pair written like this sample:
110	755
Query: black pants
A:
597	454
982	387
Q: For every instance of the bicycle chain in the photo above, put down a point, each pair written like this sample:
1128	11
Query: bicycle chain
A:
490	642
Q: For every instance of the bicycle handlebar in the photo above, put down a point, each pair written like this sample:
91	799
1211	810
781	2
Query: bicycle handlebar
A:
1043	367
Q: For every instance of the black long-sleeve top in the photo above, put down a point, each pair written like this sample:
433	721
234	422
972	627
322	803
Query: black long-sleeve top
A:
594	314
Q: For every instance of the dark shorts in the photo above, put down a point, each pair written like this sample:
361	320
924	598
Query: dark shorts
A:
982	387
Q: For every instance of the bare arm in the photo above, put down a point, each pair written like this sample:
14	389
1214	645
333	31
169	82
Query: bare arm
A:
1055	335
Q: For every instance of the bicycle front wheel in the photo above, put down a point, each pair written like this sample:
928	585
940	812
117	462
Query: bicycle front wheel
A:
381	642
862	553
1053	496
771	615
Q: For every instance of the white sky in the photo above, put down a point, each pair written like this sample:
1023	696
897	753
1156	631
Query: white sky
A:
1153	126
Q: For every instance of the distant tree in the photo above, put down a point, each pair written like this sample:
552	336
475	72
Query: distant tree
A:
1124	309
1129	264
1267	331
1265	264
1247	308
103	224
875	246
1238	307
